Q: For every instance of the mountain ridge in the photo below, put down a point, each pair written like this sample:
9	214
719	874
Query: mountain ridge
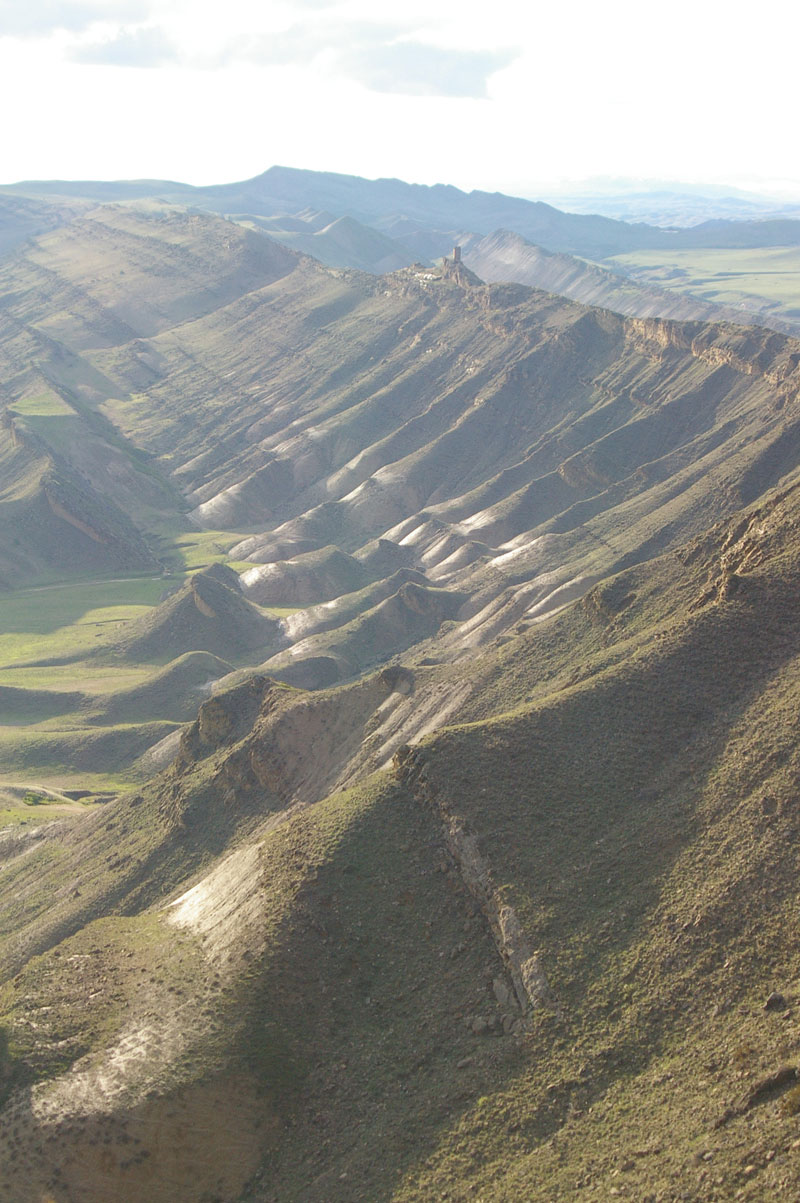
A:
281	189
501	905
504	255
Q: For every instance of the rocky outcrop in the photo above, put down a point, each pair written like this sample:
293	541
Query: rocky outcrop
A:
398	679
523	963
226	718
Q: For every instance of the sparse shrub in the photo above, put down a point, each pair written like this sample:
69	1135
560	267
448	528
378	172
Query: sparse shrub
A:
743	1055
790	1103
31	798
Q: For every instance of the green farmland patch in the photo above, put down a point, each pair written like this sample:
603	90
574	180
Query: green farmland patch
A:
767	275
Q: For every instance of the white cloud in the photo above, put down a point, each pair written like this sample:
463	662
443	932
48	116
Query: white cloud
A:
430	90
414	69
38	18
381	57
142	47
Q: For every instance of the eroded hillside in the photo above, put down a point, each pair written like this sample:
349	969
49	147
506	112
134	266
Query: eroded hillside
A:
470	868
409	465
539	951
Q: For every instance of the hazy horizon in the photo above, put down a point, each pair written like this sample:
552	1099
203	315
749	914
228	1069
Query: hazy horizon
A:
591	186
529	103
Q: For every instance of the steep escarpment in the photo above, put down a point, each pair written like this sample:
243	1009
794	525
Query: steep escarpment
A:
506	256
483	457
503	443
411	466
255	736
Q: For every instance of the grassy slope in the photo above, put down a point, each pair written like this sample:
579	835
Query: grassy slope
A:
627	768
630	784
75	710
642	822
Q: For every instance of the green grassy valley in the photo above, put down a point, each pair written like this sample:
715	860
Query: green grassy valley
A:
764	279
398	727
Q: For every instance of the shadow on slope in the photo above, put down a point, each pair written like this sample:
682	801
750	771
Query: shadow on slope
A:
356	957
204	614
173	693
413	613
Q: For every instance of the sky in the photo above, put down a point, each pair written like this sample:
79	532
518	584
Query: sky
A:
504	95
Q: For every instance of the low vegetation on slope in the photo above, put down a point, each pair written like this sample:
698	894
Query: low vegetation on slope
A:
548	951
499	448
509	917
760	280
92	674
204	613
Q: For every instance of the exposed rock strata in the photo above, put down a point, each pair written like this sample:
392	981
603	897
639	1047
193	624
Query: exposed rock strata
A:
523	964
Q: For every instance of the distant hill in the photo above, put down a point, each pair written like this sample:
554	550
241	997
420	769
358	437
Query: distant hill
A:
335	241
383	225
504	255
439	207
671	204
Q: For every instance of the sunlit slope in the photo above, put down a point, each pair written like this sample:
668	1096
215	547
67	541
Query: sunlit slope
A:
117	274
22	218
531	953
654	285
76	495
506	444
421	465
496	439
510	917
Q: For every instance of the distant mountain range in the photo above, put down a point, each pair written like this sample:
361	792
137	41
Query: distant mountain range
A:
439	207
663	204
